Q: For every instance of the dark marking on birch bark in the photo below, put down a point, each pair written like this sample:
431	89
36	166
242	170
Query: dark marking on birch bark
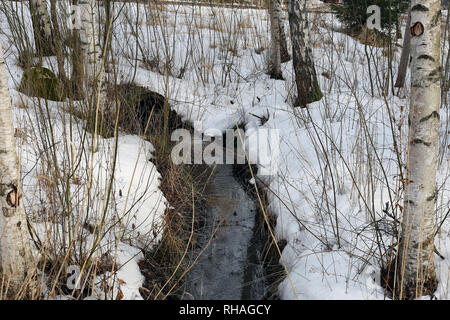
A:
410	202
419	7
417	141
433	196
436	19
426	57
8	212
435	75
434	114
12	198
417	29
19	224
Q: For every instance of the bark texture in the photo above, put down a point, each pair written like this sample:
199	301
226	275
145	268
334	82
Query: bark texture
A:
42	28
15	252
77	66
58	42
86	53
415	269
404	59
275	50
285	57
308	89
90	41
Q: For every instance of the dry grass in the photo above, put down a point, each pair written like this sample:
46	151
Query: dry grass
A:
165	266
372	38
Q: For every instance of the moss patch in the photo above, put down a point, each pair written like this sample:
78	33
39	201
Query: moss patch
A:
42	83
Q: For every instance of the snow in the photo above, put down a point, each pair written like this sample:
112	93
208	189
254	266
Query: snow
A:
133	219
318	267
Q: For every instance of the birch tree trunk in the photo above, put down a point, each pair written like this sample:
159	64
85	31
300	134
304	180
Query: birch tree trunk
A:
15	251
42	28
275	50
404	59
415	268
109	8
86	53
92	53
308	89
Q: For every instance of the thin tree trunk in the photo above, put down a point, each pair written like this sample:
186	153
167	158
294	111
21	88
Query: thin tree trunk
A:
404	59
108	27
86	55
90	44
308	89
77	60
398	29
58	42
275	51
15	251
42	28
415	269
285	56
90	41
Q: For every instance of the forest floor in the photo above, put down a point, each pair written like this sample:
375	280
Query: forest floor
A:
332	178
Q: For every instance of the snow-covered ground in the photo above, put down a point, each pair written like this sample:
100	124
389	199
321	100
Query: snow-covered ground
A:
129	210
337	164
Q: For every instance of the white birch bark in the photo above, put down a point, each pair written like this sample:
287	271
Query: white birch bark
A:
416	275
42	27
90	41
92	54
15	252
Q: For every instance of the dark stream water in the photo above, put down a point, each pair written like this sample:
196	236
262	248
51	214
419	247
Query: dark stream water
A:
230	267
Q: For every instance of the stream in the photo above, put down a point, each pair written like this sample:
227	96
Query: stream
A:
230	267
230	243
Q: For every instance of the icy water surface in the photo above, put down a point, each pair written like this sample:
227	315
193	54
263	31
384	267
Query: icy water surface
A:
229	268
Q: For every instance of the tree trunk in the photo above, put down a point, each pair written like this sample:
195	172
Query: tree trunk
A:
285	56
415	269
90	41
42	28
77	61
58	42
86	54
308	89
92	53
275	51
77	58
15	251
108	29
404	59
